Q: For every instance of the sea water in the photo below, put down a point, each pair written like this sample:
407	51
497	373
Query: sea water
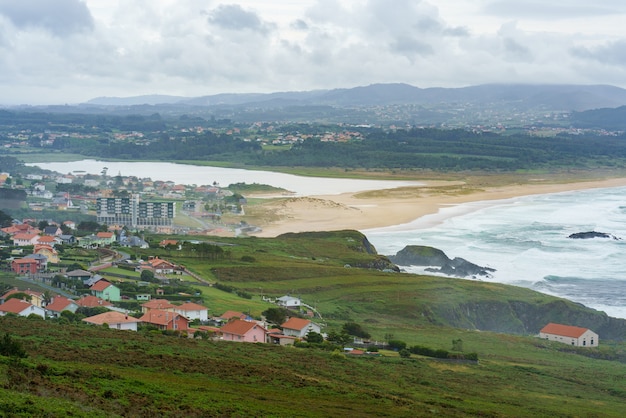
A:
526	240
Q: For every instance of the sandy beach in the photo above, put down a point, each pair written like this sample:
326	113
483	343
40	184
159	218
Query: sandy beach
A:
383	208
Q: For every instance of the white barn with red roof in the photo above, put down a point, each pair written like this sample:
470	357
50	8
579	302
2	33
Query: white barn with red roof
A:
567	334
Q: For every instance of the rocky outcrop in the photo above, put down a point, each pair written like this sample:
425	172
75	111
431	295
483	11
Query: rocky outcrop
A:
592	234
418	255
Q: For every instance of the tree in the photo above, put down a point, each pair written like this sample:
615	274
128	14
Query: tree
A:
314	337
457	345
404	353
147	275
275	315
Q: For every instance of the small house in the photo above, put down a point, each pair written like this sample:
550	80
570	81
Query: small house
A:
157	304
106	290
165	320
90	301
243	331
193	311
115	320
298	327
25	266
60	304
576	336
21	308
289	302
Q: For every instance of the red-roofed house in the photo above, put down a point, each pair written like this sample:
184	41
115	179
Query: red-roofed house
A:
115	320
193	311
576	336
232	314
25	266
60	304
106	290
298	327
165	320
47	240
168	242
243	331
106	238
90	301
159	304
162	266
21	308
48	251
23	239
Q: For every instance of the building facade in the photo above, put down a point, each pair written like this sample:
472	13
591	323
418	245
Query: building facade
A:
129	211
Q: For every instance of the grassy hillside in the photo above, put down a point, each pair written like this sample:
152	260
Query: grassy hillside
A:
78	370
341	274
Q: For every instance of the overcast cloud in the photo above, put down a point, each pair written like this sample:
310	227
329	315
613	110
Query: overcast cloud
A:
69	51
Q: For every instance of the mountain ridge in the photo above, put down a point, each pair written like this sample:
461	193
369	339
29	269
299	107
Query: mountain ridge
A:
565	97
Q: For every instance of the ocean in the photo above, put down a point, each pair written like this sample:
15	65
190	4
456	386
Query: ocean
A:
526	240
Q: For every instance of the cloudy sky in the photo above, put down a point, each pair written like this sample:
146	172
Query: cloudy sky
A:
69	51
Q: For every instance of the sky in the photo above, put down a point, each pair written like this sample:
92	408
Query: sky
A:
70	51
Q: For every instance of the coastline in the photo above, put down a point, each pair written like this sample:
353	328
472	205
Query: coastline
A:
393	207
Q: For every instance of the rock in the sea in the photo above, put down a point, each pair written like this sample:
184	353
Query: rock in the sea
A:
419	255
592	234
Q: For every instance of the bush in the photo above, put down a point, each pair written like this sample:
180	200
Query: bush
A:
11	348
404	353
397	345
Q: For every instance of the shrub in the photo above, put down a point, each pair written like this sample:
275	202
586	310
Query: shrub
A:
397	345
11	348
404	353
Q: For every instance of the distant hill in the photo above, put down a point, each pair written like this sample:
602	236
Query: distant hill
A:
610	119
550	97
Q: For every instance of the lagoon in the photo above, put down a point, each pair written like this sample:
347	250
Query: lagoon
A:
206	175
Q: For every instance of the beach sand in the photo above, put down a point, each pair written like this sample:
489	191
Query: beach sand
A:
384	208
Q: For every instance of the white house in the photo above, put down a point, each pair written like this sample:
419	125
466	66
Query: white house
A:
21	308
289	302
193	311
576	336
298	327
115	320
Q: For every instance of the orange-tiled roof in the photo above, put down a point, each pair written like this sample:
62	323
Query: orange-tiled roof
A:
59	303
112	317
14	306
46	238
156	261
240	327
167	242
158	304
24	236
233	314
190	306
100	285
158	317
16	290
104	234
25	261
91	301
563	330
296	323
